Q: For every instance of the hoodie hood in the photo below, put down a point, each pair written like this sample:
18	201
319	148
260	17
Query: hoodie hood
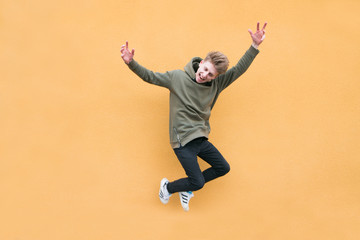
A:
192	67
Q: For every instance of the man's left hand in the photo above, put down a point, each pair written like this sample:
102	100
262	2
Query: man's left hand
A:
259	35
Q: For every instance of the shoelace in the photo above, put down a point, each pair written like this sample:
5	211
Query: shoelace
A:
162	194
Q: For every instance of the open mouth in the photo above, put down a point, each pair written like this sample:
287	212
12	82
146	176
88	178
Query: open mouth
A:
201	79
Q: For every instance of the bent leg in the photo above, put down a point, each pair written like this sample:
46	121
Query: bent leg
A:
219	166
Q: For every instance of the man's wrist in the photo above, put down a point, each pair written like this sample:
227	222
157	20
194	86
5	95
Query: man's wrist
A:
255	45
127	63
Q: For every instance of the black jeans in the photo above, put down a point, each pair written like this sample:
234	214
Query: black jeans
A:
196	179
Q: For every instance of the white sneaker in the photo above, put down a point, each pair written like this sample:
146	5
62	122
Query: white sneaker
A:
164	195
185	199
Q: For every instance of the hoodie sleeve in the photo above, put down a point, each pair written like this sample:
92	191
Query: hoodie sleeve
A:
235	72
160	79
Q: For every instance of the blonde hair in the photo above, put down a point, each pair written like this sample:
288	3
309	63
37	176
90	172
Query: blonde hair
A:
219	60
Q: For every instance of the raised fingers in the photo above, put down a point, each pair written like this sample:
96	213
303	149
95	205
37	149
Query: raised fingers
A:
263	29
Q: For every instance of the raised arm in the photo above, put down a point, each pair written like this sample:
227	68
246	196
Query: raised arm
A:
160	79
244	63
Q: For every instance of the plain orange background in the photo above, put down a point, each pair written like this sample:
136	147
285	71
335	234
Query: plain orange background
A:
84	142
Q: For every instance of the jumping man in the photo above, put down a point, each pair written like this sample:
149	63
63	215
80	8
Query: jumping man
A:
193	93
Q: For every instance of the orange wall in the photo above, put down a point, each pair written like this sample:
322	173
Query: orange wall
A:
84	142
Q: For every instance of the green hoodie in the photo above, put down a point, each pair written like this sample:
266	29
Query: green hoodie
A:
191	102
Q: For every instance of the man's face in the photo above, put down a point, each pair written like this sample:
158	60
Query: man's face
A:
206	72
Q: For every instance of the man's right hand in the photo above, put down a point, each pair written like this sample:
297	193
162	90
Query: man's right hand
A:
126	55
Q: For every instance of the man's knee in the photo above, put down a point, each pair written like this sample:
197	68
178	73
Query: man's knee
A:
198	183
225	169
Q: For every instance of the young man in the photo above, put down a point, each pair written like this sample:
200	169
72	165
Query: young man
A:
193	93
